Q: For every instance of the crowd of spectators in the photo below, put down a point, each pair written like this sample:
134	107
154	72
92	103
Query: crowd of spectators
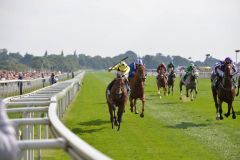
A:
27	75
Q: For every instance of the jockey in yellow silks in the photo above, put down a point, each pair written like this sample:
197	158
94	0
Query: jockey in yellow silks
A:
122	71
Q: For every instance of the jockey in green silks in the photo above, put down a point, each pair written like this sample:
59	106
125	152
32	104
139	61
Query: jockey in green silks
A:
188	70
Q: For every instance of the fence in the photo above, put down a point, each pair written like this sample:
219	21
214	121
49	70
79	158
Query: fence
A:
41	110
19	87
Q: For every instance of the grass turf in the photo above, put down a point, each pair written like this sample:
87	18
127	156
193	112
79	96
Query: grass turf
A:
171	129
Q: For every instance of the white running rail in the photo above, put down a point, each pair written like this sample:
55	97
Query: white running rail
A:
11	87
41	110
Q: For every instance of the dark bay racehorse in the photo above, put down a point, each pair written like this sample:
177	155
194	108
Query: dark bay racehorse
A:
225	92
171	79
190	83
162	82
137	89
118	98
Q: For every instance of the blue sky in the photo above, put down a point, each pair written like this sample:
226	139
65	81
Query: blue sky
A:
109	27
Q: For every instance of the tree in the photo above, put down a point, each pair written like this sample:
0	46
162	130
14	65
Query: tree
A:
62	54
46	53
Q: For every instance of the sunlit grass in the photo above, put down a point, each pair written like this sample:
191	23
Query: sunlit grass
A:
171	129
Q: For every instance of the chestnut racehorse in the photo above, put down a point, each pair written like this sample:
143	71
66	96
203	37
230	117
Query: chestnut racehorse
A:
162	82
137	89
118	98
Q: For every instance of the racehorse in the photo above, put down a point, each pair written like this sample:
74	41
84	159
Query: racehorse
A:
190	83
171	79
137	89
225	92
118	98
162	82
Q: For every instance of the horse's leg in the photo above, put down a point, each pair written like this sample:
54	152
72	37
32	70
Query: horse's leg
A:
229	110
131	103
238	90
159	93
220	109
110	108
158	87
172	88
119	113
187	92
180	86
114	116
165	90
233	113
214	94
135	107
143	103
191	93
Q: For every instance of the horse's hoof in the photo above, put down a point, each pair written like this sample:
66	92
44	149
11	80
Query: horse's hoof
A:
180	98
217	118
233	116
141	115
116	123
191	99
136	112
221	117
226	115
131	109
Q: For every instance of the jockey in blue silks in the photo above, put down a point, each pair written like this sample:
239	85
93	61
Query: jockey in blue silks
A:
133	66
219	68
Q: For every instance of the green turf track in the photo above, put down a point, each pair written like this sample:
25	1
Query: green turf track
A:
171	129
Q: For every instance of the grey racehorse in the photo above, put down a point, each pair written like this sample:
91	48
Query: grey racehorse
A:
190	83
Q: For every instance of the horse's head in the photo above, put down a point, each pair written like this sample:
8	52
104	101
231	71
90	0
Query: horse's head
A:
228	70
141	74
195	73
172	74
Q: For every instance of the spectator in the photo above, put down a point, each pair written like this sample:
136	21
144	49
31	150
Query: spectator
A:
20	83
52	79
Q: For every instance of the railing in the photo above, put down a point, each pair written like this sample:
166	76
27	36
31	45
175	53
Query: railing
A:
43	109
12	87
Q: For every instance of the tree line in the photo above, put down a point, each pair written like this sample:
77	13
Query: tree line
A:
73	62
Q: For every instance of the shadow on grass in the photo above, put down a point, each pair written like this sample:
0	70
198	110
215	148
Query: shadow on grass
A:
81	131
237	113
95	122
185	125
169	103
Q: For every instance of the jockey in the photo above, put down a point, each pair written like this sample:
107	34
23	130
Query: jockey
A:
170	67
188	70
219	68
161	67
122	71
133	66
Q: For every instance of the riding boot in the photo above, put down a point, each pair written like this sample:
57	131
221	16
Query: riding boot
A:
217	81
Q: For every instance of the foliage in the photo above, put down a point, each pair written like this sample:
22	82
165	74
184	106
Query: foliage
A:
73	62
